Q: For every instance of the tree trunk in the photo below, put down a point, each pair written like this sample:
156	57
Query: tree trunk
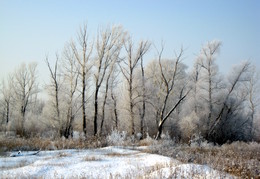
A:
162	120
131	104
143	100
159	132
210	96
104	105
7	112
115	109
83	104
96	111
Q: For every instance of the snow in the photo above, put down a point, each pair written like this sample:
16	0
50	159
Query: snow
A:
108	162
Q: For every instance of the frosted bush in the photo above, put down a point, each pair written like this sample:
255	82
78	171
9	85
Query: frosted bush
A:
166	136
76	135
139	136
165	143
148	141
116	137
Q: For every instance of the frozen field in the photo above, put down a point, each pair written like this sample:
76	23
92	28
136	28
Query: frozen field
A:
109	162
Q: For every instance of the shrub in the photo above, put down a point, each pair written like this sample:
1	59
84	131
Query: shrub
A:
117	138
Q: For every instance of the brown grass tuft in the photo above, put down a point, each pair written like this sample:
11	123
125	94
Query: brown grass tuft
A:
91	158
239	158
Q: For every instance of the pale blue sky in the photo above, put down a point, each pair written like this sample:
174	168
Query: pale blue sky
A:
31	29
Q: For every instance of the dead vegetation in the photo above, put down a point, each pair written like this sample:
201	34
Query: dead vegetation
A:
91	158
16	144
239	158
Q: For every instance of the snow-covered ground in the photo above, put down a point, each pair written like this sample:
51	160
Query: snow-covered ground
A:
108	162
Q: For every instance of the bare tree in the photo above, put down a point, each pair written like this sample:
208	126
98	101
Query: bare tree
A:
209	75
108	85
113	83
54	85
82	52
142	111
71	78
228	108
166	79
108	46
133	57
253	98
6	93
25	88
195	86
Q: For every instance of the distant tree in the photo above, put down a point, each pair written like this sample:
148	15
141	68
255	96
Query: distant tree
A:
71	75
25	88
253	98
54	86
109	84
167	79
231	110
210	82
128	67
108	46
82	51
143	91
6	91
113	83
195	82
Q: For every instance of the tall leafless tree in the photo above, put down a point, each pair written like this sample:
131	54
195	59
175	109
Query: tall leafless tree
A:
54	85
71	79
113	83
226	108
131	61
142	111
253	98
25	88
7	98
167	85
82	51
209	75
108	46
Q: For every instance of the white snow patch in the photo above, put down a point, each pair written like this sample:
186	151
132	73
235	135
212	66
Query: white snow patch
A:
99	163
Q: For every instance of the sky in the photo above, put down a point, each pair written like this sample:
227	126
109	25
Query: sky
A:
30	30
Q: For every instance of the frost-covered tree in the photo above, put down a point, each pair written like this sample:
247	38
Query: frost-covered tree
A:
210	83
108	45
25	87
71	81
114	97
230	120
82	50
253	98
54	87
167	81
189	125
128	67
6	94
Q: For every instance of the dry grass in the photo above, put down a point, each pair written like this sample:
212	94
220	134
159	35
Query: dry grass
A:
16	144
239	159
63	154
115	154
91	158
19	164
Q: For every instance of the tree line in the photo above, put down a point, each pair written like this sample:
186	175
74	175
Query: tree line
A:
101	83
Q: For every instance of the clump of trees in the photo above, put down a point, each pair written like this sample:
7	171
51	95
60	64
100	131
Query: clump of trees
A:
102	83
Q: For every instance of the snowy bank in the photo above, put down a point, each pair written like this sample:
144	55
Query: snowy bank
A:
100	163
